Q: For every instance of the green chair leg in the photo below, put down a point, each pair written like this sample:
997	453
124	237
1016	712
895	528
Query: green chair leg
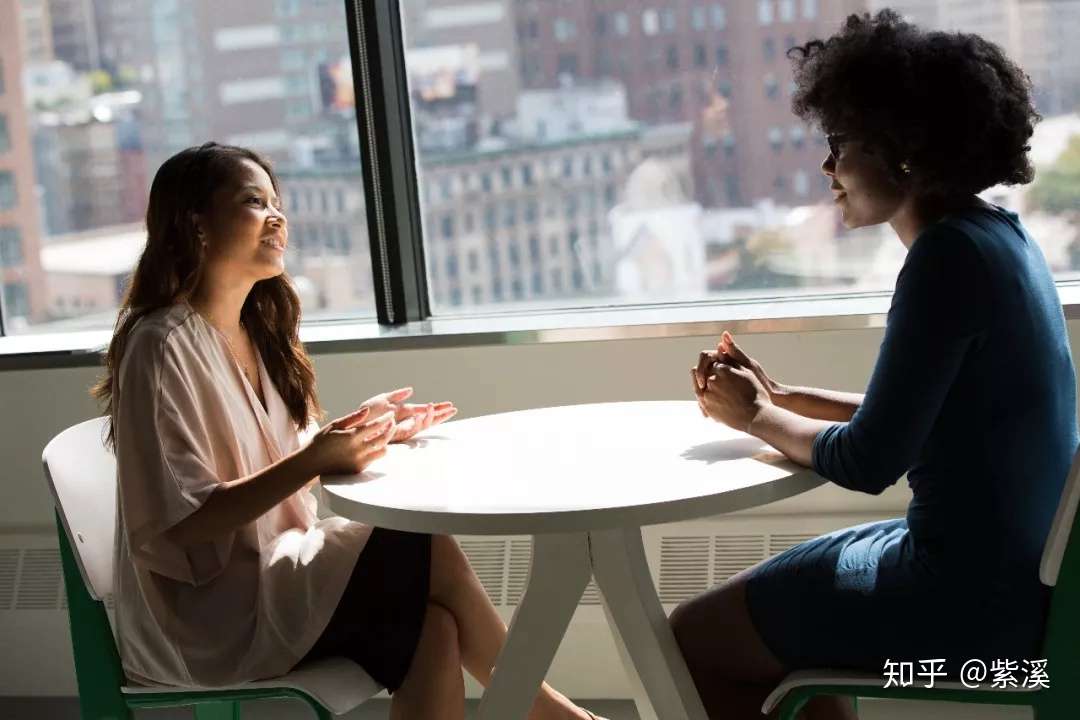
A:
795	700
320	712
222	710
792	703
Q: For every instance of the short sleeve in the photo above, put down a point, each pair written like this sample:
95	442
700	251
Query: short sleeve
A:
941	311
165	464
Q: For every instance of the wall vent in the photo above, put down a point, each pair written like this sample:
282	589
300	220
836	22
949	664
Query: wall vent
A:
39	586
31	578
9	570
684	567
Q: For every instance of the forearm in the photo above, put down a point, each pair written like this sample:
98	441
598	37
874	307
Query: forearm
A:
816	402
791	433
237	502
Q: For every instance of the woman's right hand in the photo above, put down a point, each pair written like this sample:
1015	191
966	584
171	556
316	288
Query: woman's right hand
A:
727	351
349	444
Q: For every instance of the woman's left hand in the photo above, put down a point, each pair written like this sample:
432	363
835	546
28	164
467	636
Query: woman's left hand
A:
732	395
410	418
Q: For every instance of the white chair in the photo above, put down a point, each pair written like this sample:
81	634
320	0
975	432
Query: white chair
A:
81	474
1059	569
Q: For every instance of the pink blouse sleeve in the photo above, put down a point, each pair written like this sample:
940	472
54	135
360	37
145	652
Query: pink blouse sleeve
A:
165	463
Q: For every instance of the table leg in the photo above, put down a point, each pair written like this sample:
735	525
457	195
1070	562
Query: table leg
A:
557	579
663	687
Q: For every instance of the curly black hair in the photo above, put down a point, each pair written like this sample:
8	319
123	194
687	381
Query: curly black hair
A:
951	106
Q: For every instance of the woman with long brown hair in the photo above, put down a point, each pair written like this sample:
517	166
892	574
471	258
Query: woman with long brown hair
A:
224	571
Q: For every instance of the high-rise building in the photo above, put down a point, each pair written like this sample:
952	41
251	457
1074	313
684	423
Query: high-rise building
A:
1039	35
35	31
262	74
90	165
719	65
20	270
73	24
488	26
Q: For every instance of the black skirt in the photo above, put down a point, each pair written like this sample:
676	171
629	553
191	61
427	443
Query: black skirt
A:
378	620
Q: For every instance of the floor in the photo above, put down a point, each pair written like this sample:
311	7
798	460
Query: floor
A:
67	709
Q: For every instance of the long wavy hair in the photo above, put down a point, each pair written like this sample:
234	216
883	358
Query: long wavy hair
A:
172	262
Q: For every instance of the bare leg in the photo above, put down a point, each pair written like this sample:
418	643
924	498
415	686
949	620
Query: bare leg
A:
733	669
481	631
434	685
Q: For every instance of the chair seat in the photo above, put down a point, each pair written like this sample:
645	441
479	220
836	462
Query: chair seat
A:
803	678
338	683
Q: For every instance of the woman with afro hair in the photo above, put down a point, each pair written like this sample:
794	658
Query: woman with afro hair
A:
973	393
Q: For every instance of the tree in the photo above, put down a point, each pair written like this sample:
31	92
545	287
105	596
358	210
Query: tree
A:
1057	189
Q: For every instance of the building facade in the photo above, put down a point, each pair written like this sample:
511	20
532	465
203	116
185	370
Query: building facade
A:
20	269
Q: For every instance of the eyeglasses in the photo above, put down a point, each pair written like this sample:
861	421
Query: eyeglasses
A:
835	140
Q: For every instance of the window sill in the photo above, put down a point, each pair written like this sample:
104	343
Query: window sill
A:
747	315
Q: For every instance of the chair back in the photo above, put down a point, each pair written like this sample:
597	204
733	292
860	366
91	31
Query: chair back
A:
81	474
1060	569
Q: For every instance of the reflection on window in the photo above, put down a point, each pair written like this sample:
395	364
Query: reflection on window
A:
765	11
787	10
650	22
719	17
7	190
11	253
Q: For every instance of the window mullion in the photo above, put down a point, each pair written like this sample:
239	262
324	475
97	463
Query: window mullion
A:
389	170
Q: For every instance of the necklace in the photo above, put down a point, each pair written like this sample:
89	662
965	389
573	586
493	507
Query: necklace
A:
251	375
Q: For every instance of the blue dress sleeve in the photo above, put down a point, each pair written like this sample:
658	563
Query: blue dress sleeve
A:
940	311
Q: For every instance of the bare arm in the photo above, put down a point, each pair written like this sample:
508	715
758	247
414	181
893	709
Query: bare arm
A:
238	502
790	433
816	403
809	402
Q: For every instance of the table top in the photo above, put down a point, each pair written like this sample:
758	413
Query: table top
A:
573	468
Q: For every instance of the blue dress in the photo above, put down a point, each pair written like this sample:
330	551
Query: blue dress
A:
973	394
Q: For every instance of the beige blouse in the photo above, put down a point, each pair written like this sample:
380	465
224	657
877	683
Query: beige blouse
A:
251	603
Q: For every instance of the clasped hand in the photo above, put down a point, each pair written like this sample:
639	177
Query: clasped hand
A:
729	385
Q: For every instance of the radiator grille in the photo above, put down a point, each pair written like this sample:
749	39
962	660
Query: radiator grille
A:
684	567
31	578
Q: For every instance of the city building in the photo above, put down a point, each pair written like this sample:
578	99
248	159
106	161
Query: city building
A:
1039	35
35	29
74	29
718	65
487	25
20	271
90	165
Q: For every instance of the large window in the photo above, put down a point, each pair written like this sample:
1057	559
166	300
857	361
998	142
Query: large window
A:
567	154
94	119
710	188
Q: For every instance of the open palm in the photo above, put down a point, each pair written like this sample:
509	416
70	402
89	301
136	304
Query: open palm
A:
410	418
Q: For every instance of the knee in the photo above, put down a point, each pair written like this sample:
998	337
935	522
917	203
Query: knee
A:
441	629
448	565
680	621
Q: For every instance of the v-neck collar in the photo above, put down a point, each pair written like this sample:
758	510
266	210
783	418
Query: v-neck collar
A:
273	400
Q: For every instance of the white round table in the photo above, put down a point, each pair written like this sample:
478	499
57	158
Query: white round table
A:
582	480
